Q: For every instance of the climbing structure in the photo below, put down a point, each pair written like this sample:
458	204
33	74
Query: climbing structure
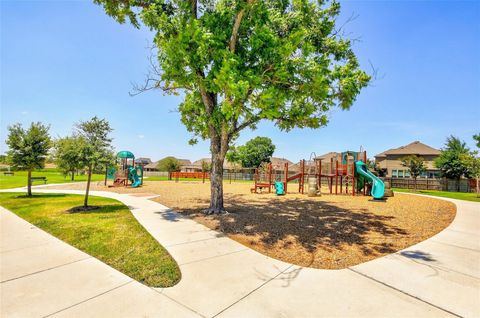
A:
345	173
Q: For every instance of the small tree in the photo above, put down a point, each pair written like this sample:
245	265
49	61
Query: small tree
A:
415	165
96	150
254	152
170	164
28	149
452	161
68	154
206	167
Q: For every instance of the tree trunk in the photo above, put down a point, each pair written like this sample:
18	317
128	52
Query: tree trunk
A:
216	185
85	201
29	183
458	185
73	175
415	184
218	148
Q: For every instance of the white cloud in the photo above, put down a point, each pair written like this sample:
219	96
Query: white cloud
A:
24	112
141	136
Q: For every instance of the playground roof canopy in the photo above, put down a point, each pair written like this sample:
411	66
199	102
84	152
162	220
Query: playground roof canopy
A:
125	154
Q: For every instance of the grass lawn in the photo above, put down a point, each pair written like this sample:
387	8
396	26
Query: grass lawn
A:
445	194
53	176
111	234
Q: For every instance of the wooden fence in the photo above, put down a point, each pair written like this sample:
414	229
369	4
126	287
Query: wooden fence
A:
441	184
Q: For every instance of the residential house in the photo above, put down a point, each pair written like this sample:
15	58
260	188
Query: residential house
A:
152	166
392	160
142	161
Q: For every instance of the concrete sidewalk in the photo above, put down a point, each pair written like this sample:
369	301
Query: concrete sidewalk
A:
43	276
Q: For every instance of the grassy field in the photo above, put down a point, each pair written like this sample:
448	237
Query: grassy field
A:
445	194
111	234
52	175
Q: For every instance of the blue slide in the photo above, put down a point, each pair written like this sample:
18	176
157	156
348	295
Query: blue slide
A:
132	175
378	187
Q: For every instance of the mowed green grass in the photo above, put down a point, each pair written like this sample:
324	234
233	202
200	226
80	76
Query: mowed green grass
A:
445	194
111	234
19	179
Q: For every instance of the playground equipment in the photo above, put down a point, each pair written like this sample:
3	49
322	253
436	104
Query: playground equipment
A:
125	173
346	173
266	177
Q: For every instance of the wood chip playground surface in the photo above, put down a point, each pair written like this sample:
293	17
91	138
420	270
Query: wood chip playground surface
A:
329	232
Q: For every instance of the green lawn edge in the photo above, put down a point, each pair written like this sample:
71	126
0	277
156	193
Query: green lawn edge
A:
465	196
19	179
111	234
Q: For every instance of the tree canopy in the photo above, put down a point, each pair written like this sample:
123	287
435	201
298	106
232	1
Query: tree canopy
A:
170	164
238	62
96	149
253	153
68	154
453	161
28	148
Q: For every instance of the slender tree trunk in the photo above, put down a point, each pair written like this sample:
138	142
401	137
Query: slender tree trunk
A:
89	178
415	184
29	183
458	185
73	175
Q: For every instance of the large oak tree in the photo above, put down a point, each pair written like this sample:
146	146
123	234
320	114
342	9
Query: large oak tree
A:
238	62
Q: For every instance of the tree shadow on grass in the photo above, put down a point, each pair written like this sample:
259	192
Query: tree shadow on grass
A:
97	209
41	195
311	223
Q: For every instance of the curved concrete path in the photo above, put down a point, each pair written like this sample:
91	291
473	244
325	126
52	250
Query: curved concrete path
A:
42	276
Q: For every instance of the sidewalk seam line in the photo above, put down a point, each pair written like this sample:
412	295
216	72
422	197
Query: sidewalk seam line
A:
404	292
211	257
251	292
44	270
88	299
177	302
457	246
183	243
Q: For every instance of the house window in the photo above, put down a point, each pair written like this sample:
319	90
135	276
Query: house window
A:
400	173
407	173
394	173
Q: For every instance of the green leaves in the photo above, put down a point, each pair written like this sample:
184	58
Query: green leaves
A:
453	161
289	64
28	148
253	153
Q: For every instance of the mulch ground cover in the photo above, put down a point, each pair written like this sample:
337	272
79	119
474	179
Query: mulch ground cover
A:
330	232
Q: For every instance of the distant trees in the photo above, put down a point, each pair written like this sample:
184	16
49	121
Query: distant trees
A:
68	154
96	150
372	165
28	148
169	164
253	153
453	161
416	166
474	164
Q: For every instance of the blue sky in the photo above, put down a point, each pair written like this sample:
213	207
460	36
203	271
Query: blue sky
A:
64	61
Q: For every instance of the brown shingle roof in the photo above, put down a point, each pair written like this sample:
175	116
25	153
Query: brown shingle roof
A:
329	155
153	165
414	148
279	163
